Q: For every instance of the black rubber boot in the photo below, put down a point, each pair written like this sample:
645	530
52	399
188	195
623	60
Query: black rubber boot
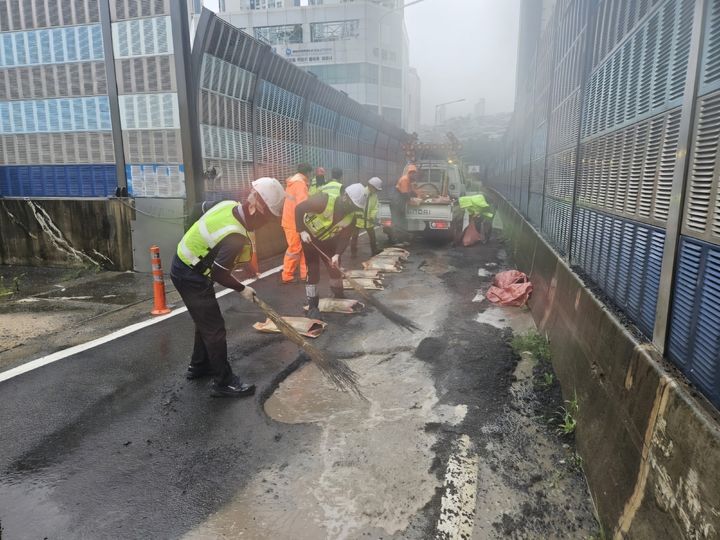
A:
313	311
337	292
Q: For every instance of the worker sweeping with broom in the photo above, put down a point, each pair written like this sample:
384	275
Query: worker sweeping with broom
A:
213	246
326	222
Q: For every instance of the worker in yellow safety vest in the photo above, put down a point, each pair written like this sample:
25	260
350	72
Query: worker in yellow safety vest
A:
367	216
480	212
326	222
335	185
211	249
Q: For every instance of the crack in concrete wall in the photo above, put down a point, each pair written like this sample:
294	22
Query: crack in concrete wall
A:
633	503
19	223
56	237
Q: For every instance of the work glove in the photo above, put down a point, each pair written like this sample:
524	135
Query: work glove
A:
305	237
248	293
335	261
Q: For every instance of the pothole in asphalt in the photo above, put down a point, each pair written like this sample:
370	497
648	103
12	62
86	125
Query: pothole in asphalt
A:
430	348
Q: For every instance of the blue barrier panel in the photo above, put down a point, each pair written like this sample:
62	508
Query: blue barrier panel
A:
623	258
694	342
57	180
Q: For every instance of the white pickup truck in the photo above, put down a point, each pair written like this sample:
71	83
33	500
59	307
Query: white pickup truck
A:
440	184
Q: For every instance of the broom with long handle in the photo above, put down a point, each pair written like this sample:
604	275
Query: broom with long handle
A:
396	318
336	370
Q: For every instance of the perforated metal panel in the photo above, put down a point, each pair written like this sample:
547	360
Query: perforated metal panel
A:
57	180
629	171
54	111
624	259
645	75
261	115
142	37
694	342
131	9
702	208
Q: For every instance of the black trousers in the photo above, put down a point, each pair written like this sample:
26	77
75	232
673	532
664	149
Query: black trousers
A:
210	348
371	236
313	258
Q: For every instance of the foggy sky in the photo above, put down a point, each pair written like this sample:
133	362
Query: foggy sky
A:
464	49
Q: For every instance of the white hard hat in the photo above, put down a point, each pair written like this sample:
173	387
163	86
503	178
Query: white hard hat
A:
376	183
357	194
272	193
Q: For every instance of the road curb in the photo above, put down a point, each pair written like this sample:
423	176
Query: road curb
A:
649	442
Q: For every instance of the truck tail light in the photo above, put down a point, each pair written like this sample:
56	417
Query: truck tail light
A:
439	225
386	222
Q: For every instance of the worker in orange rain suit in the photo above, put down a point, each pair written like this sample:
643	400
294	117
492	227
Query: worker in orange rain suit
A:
404	191
296	191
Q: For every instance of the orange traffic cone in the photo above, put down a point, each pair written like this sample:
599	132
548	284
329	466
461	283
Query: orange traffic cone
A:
160	307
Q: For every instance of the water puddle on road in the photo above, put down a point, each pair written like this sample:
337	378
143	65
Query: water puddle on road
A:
519	319
28	510
368	473
484	273
307	397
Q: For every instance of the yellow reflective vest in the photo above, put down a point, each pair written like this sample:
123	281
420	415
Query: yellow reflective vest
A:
333	187
476	205
366	218
208	231
321	225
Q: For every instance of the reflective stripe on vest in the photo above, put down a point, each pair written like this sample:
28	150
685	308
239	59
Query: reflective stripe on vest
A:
321	225
208	231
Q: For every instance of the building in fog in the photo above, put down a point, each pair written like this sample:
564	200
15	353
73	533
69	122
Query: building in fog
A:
358	47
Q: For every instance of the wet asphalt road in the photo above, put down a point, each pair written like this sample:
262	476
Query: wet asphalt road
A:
114	443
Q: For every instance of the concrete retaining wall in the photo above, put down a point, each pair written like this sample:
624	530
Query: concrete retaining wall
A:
650	444
66	232
97	232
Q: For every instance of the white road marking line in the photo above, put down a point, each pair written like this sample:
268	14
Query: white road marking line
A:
457	512
59	355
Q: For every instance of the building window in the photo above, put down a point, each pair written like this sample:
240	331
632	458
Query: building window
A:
265	4
278	35
334	30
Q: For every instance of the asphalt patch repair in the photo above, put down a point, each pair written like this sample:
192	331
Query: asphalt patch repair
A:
530	481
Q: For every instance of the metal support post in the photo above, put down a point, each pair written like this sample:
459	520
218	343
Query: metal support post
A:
673	228
113	98
187	102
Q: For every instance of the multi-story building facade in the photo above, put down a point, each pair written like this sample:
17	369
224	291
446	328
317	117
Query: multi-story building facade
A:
358	47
